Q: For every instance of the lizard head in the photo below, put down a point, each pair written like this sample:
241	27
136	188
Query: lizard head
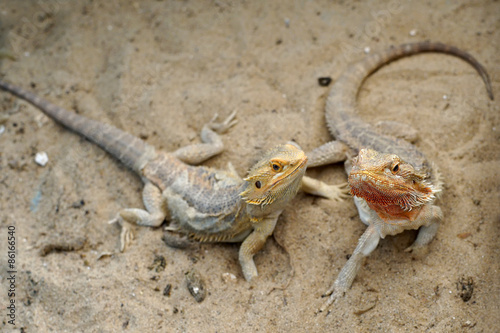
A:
276	176
389	183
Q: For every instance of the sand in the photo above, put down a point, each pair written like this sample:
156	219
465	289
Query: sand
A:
160	70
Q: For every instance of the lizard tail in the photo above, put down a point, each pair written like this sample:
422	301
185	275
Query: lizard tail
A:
342	99
130	150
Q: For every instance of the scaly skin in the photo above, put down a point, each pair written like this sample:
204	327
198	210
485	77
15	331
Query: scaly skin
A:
217	206
393	184
209	205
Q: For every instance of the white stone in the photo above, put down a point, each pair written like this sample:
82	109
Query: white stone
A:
41	158
228	277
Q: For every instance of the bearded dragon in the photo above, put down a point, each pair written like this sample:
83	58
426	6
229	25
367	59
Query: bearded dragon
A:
206	204
393	184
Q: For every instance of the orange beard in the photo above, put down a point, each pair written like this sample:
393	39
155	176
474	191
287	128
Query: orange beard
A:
394	212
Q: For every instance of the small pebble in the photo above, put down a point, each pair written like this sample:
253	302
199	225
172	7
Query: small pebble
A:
413	32
228	277
2	129
324	81
445	97
41	158
159	263
367	49
196	285
26	54
167	290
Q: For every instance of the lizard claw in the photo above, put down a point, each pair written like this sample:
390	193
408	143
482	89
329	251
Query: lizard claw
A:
126	237
334	295
319	188
335	292
126	234
410	248
337	192
417	250
222	127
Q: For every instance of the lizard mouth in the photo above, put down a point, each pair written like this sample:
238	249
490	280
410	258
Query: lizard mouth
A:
363	184
363	179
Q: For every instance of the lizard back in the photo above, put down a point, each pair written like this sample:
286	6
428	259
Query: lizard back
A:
204	201
341	106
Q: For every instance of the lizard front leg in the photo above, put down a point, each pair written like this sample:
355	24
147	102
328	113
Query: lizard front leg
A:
153	216
253	243
212	144
329	153
430	216
366	244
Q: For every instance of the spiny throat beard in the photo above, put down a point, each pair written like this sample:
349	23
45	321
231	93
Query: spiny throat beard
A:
390	198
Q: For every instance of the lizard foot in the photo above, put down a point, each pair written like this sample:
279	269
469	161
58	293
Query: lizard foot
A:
222	127
249	270
337	192
332	192
334	294
176	240
126	234
418	251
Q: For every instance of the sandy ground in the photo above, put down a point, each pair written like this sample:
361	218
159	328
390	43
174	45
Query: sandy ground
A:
160	70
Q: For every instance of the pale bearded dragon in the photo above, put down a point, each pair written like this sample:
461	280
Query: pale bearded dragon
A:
208	205
393	184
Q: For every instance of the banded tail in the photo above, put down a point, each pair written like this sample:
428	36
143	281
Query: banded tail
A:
130	150
341	103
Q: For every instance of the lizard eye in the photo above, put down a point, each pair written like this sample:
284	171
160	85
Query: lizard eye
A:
258	184
395	168
276	167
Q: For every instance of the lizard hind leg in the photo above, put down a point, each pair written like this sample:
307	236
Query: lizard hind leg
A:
212	144
153	216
